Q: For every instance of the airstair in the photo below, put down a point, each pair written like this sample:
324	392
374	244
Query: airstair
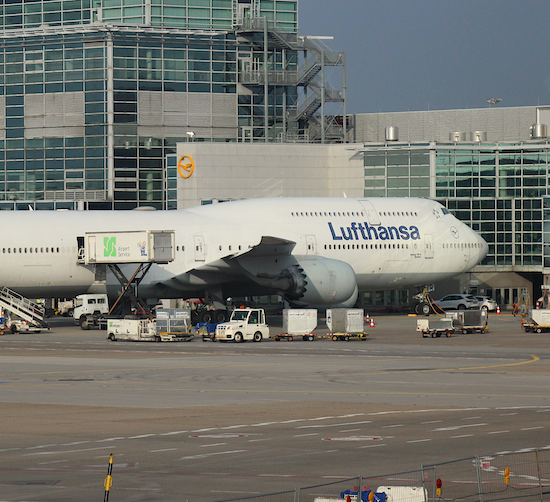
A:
22	307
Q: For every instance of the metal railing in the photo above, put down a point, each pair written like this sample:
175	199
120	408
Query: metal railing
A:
488	478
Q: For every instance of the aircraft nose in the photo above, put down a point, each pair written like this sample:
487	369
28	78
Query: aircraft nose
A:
481	245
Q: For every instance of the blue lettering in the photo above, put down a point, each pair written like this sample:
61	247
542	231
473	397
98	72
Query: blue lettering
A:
334	237
391	230
362	231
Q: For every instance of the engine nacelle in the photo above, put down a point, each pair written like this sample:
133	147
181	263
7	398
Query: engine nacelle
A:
321	281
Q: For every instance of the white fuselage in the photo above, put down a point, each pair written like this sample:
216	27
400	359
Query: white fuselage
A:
389	243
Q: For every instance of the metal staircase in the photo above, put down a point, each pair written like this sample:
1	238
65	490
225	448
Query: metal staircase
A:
22	307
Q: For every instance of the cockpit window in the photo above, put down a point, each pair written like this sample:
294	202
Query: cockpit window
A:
444	210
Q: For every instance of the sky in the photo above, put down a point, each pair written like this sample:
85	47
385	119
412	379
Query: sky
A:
407	55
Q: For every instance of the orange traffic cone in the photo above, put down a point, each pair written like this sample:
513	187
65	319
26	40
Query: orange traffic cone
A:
498	309
371	325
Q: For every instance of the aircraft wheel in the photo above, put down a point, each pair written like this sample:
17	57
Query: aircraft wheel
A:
238	337
425	309
207	317
257	336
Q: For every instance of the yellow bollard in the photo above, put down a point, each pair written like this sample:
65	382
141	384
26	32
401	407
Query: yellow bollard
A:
109	479
507	475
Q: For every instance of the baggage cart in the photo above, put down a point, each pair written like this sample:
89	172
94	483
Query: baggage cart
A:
298	323
469	321
174	324
435	327
537	321
207	330
346	324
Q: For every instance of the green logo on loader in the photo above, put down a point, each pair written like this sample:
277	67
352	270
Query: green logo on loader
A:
109	246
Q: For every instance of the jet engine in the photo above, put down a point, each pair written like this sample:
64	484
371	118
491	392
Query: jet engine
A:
315	281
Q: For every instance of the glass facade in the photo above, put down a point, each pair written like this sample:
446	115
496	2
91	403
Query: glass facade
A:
500	190
94	94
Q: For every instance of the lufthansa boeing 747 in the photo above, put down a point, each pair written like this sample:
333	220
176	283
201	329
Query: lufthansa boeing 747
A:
312	251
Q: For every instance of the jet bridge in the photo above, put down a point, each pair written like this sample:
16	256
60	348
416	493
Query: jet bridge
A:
113	249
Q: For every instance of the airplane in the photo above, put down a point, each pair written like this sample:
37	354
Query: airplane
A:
312	251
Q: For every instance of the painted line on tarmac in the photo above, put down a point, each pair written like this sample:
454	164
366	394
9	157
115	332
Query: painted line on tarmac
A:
205	455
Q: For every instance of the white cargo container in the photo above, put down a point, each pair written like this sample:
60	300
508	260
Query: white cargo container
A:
298	322
146	246
350	321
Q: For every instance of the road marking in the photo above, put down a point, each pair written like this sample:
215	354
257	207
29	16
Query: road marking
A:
456	427
192	457
304	435
373	445
498	432
418	440
255	440
199	430
531	428
463	436
320	418
142	436
391	426
109	439
64	452
234	427
165	449
333	425
175	432
432	422
262	424
213	444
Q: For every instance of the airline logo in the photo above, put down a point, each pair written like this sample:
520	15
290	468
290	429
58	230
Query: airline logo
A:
186	166
362	231
109	246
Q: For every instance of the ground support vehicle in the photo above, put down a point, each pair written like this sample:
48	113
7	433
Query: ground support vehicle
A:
469	321
435	327
298	323
90	309
174	325
346	324
141	330
245	324
207	330
536	321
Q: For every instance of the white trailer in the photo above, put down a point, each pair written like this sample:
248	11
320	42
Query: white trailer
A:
298	322
537	321
245	324
141	330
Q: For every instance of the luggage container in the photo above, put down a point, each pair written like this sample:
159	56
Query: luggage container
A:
537	321
435	327
298	322
174	323
346	324
469	321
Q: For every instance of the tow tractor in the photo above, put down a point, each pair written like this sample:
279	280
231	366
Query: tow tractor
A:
245	324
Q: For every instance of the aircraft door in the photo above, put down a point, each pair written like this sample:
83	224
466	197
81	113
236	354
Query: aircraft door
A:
372	213
428	246
91	248
311	244
200	250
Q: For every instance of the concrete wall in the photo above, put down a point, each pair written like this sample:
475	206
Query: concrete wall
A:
250	170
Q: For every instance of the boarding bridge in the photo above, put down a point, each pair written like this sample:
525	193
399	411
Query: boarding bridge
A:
22	307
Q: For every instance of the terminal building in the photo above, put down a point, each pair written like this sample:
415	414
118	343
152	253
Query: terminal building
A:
117	104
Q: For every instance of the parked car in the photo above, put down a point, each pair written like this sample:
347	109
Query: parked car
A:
487	303
458	302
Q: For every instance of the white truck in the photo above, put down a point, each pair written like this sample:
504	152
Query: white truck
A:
245	324
89	308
